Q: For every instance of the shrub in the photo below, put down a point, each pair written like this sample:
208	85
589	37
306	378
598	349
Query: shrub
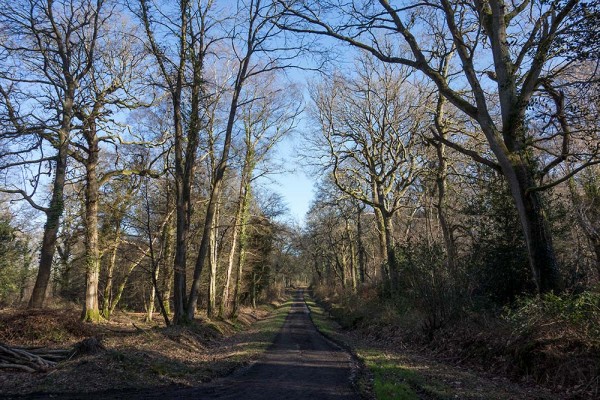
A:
578	314
429	285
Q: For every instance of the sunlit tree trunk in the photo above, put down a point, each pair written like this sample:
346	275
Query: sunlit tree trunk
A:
242	252
213	263
233	251
91	311
107	297
55	210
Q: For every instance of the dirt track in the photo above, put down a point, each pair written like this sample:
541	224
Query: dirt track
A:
300	364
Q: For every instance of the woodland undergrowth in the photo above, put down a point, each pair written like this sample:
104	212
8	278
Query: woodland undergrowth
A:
551	339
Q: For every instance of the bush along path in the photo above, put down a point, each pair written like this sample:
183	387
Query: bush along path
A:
400	372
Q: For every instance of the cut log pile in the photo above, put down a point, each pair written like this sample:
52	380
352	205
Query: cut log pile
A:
31	360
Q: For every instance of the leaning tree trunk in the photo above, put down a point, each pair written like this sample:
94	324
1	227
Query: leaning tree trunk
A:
53	214
234	247
535	227
215	194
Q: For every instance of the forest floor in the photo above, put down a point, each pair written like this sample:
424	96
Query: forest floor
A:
289	360
138	355
393	371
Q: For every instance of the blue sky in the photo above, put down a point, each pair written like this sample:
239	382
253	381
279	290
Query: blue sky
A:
293	183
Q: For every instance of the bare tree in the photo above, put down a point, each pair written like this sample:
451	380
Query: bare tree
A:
49	50
507	53
371	124
190	30
256	52
109	87
268	113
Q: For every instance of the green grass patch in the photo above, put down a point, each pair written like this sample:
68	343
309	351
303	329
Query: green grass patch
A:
392	378
320	317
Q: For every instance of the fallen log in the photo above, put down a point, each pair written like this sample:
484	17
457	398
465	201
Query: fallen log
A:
39	359
16	358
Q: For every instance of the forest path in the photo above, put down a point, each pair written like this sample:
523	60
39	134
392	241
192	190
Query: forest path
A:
300	364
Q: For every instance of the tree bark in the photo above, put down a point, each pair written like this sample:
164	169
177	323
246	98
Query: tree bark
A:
242	251
91	312
224	306
362	261
110	269
213	265
152	295
441	178
55	209
391	252
382	246
538	236
166	282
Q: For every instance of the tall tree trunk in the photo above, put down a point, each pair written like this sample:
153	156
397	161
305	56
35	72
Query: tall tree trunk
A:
232	252
351	256
182	199
537	233
110	270
242	251
91	312
55	210
213	265
362	259
152	295
353	266
183	176
441	207
382	247
442	172
512	149
219	175
390	246
166	281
